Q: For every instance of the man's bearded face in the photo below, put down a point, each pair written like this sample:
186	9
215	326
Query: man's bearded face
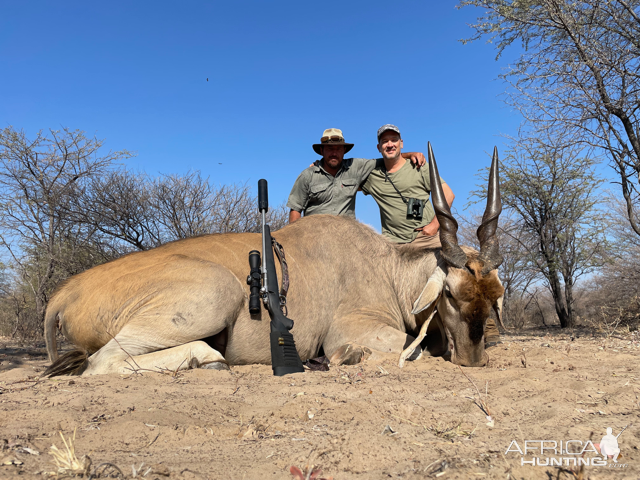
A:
333	155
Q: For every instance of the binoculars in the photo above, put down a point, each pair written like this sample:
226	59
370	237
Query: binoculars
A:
415	207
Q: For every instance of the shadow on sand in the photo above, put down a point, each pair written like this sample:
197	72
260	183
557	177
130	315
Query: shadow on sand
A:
13	354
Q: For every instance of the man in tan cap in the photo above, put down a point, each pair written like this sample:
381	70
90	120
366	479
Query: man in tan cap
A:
330	185
402	193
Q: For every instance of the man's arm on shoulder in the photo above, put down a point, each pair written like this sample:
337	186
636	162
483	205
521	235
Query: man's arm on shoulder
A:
416	158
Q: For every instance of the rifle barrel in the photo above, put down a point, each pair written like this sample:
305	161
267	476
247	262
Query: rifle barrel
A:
264	252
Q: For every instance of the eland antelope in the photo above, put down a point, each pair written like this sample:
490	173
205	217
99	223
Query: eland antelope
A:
353	294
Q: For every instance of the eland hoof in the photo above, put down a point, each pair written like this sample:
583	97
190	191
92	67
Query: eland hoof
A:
350	354
216	366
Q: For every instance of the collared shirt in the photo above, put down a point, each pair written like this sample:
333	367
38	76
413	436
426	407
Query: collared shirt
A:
413	183
317	191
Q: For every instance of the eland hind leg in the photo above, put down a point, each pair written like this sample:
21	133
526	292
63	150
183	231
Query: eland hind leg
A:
189	355
183	302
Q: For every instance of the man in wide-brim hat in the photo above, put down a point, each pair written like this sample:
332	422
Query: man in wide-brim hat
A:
330	185
331	136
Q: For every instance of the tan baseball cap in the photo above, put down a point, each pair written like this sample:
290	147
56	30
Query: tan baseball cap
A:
332	136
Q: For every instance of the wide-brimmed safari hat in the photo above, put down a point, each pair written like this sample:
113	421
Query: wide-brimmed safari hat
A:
332	136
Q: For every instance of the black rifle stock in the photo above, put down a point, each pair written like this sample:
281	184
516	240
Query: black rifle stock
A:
284	356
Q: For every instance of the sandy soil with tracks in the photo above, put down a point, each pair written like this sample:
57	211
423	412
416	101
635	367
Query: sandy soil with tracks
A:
372	421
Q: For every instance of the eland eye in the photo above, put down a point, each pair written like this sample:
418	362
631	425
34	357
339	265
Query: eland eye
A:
447	292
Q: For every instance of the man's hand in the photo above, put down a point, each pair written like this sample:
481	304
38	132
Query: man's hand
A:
432	228
416	158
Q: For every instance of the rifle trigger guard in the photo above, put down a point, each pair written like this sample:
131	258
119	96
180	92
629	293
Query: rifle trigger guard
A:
283	304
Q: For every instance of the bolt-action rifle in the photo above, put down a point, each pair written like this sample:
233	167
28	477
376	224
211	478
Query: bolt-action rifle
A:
284	356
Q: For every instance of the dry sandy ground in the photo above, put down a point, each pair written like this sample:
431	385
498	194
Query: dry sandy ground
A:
372	421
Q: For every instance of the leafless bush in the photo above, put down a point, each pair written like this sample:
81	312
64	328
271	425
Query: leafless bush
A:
541	310
612	300
533	308
141	212
18	318
627	315
117	205
515	312
38	179
609	309
68	209
184	204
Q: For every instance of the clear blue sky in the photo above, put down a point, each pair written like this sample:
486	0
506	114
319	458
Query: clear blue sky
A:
135	73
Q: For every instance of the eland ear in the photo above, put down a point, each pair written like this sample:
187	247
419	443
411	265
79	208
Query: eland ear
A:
430	292
497	307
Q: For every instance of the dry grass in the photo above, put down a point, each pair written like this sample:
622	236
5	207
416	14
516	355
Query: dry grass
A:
66	461
450	431
482	404
310	472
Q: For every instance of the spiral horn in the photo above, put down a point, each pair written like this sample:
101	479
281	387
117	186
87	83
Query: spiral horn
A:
451	251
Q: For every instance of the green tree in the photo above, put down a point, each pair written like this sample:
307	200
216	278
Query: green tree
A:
553	190
580	74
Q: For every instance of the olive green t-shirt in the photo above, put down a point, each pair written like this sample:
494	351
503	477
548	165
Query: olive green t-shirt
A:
317	191
412	183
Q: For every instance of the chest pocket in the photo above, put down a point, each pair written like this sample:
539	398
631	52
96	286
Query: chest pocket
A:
349	185
320	192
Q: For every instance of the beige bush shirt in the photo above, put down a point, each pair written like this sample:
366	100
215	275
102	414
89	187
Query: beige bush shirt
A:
317	191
